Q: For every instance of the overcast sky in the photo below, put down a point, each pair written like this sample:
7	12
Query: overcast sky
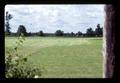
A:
49	18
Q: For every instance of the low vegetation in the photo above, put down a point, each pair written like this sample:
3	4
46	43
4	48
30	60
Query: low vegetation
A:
61	57
15	63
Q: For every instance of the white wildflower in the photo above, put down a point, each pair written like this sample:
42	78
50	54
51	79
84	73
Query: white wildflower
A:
36	76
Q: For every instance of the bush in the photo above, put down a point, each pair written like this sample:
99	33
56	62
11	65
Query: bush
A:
23	71
15	63
59	33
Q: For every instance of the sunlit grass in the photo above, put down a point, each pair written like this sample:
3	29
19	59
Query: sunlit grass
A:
63	57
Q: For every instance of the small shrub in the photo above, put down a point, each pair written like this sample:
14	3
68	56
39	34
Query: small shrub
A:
15	63
23	71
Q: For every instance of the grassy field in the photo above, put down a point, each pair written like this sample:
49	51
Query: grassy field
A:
63	57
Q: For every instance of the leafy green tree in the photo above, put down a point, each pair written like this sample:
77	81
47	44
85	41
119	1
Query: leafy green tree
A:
41	33
99	30
90	32
59	33
79	34
21	30
8	17
72	34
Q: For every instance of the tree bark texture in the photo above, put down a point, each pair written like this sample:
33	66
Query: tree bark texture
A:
110	45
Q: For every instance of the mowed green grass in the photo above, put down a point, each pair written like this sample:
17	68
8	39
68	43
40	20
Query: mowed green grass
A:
63	57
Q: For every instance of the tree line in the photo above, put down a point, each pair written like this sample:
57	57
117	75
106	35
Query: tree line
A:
98	32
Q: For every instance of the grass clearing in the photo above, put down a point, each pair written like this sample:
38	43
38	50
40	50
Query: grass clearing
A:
63	57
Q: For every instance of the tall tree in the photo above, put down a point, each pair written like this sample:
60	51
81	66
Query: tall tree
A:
21	29
79	33
99	30
41	33
72	34
8	17
90	32
59	33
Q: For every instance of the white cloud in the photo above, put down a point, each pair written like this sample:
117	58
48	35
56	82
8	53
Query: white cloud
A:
49	18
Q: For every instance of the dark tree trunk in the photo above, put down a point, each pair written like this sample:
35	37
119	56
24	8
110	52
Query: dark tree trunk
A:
111	35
